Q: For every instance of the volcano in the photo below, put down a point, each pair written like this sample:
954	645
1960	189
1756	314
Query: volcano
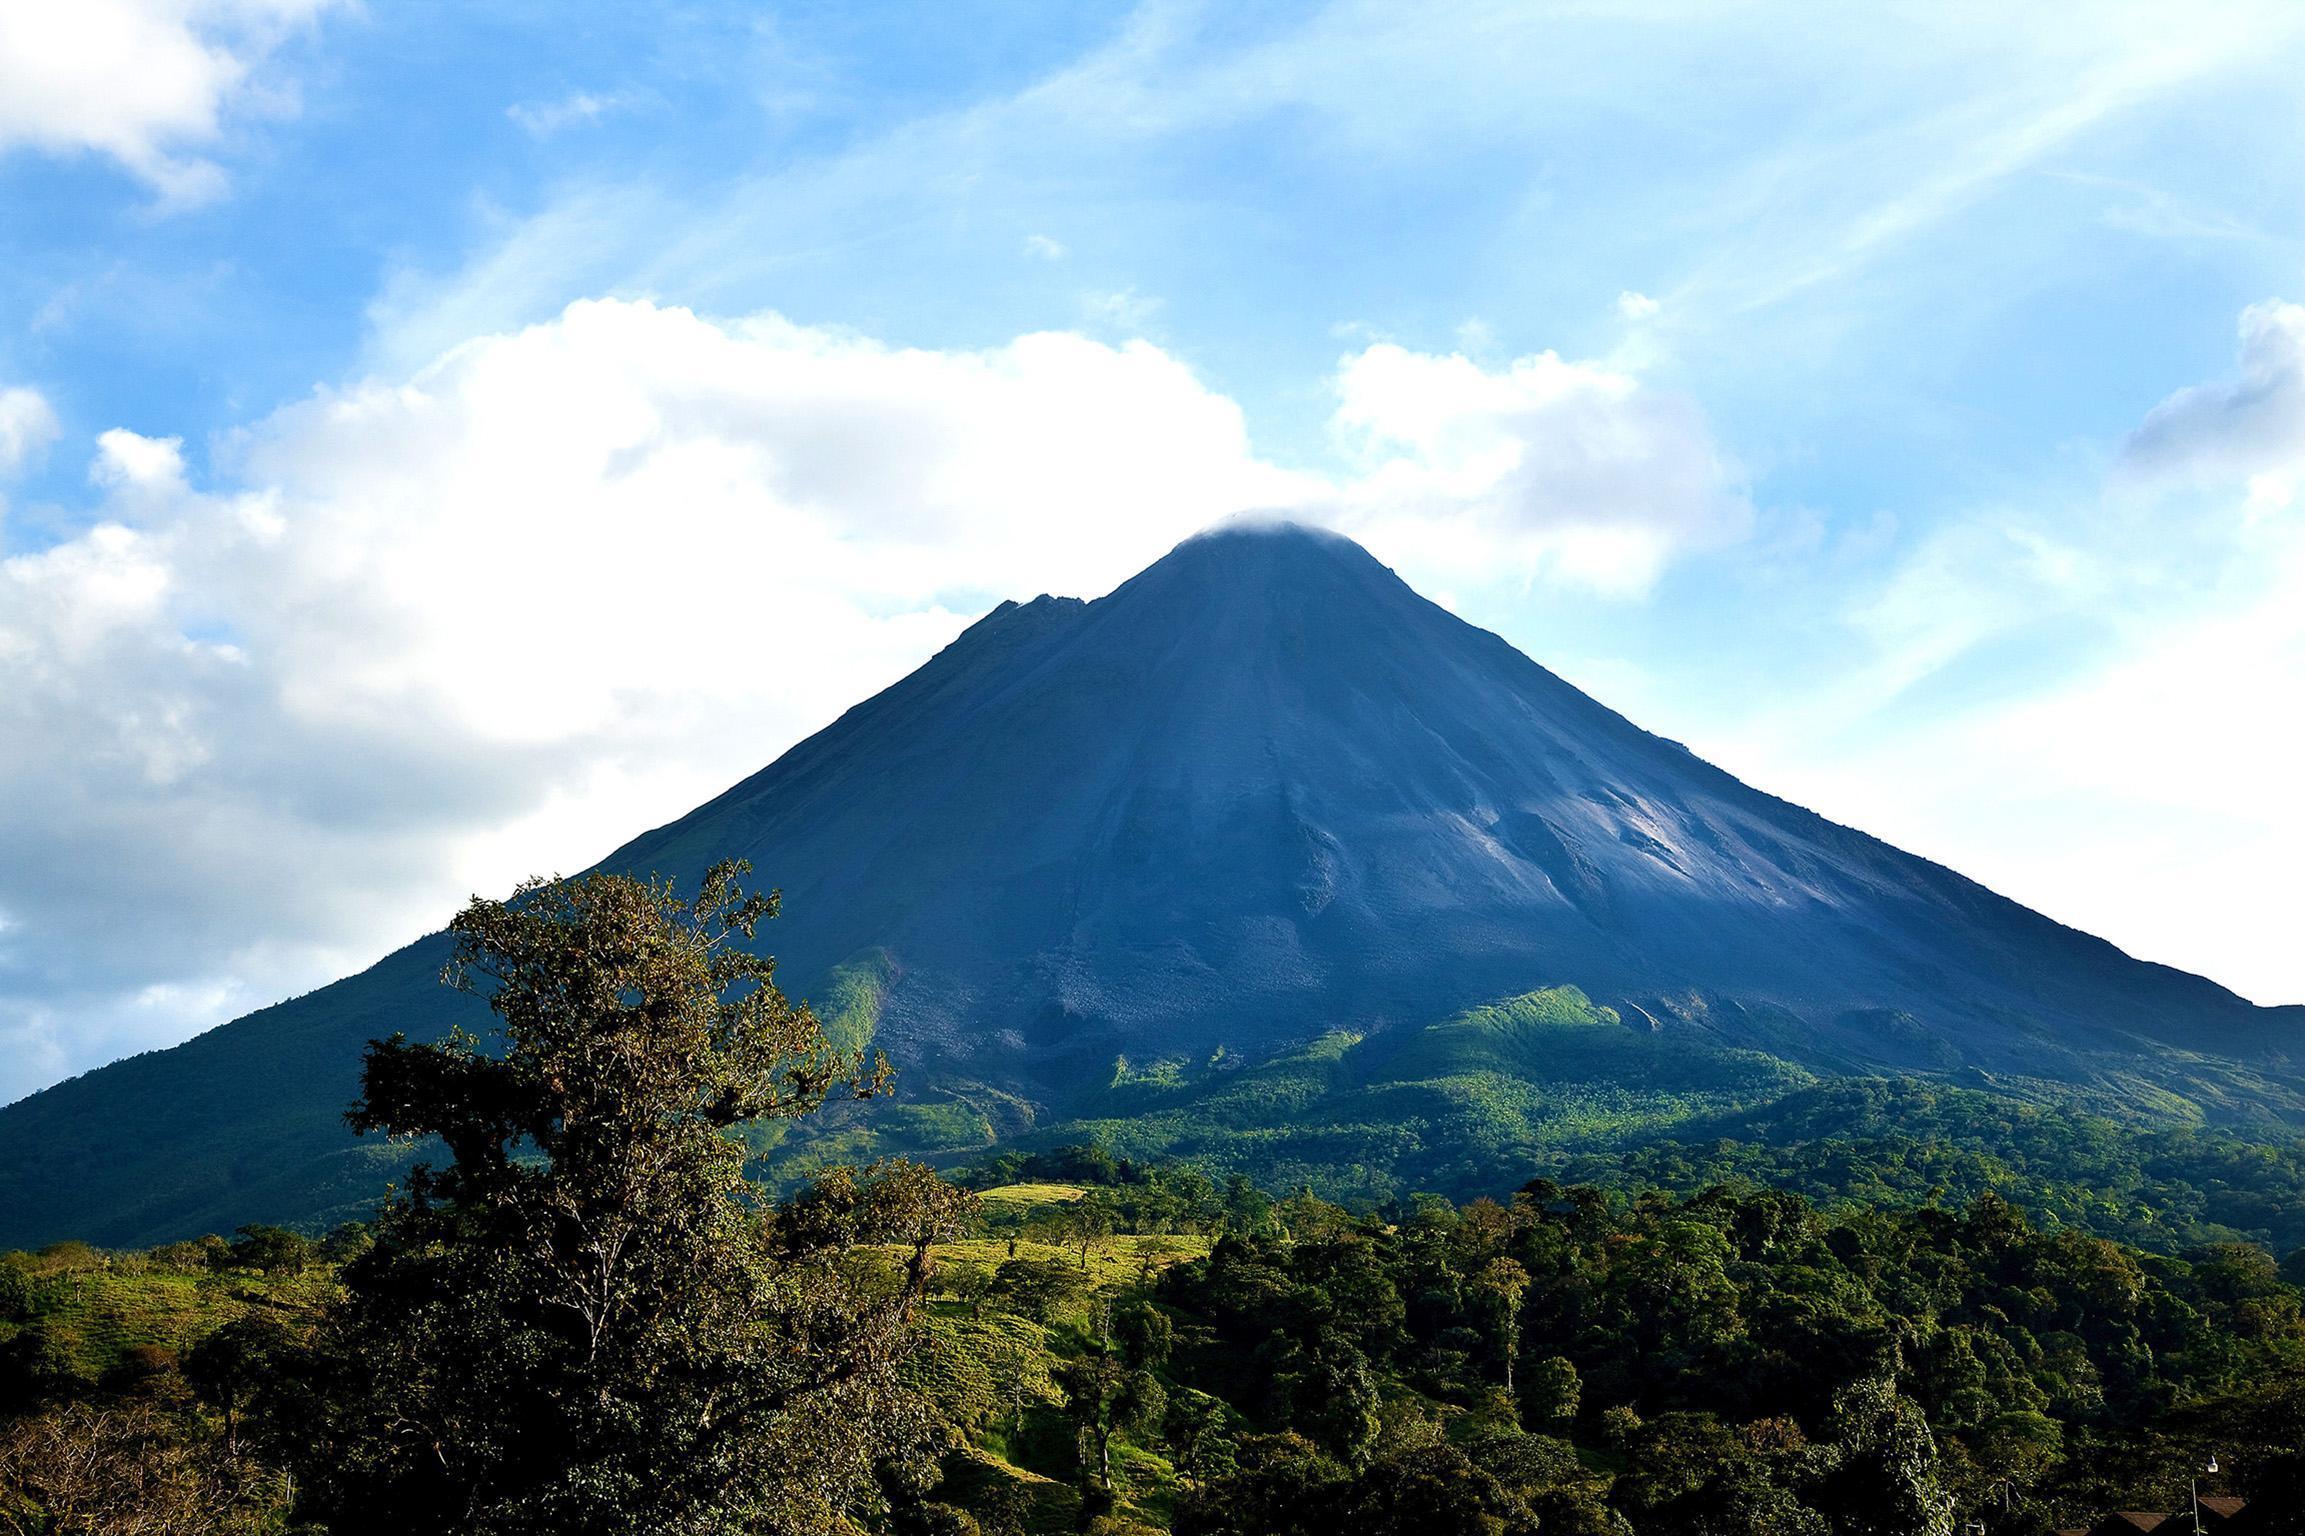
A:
1261	793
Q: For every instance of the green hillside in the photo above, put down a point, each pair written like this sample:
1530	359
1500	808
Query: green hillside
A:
1549	1084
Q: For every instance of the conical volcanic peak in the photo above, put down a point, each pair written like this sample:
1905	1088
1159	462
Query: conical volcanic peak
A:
1264	789
1261	792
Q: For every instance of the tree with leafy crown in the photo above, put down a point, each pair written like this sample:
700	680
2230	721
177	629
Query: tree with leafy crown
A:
587	1322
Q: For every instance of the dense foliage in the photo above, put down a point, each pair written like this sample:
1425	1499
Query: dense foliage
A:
1725	1352
1860	1307
1550	1084
586	1322
1165	1352
1730	1361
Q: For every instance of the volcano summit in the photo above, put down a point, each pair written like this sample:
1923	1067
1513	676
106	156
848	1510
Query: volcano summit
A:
1260	795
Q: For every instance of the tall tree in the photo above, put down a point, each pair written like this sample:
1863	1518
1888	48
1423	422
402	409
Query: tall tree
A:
1500	1287
586	1322
1104	1397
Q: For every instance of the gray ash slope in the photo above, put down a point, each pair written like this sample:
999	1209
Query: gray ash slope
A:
1261	791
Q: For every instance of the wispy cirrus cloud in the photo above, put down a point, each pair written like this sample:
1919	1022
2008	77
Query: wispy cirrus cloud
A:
2089	701
1730	207
543	119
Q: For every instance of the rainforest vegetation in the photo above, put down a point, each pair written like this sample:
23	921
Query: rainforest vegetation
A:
1164	1352
580	1317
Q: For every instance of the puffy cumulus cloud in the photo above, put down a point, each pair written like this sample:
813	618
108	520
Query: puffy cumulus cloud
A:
493	618
147	83
438	632
27	426
2250	428
672	471
129	463
1542	467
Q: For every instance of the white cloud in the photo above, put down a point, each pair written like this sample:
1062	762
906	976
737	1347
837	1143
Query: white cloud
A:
1858	207
1120	309
2145	790
495	617
129	463
2185	748
1476	337
543	119
1636	306
1045	247
147	83
492	618
1541	467
2250	429
2149	798
27	426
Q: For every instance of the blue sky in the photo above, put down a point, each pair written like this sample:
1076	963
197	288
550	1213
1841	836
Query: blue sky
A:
1904	406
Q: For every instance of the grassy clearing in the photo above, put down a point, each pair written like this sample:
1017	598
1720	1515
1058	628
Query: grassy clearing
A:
978	1479
989	1366
992	1372
1114	1263
1028	1195
102	1310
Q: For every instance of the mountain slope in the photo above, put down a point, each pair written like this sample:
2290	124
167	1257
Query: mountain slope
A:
1260	792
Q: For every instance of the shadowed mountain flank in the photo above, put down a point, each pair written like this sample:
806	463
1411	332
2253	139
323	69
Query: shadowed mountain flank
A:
1261	792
